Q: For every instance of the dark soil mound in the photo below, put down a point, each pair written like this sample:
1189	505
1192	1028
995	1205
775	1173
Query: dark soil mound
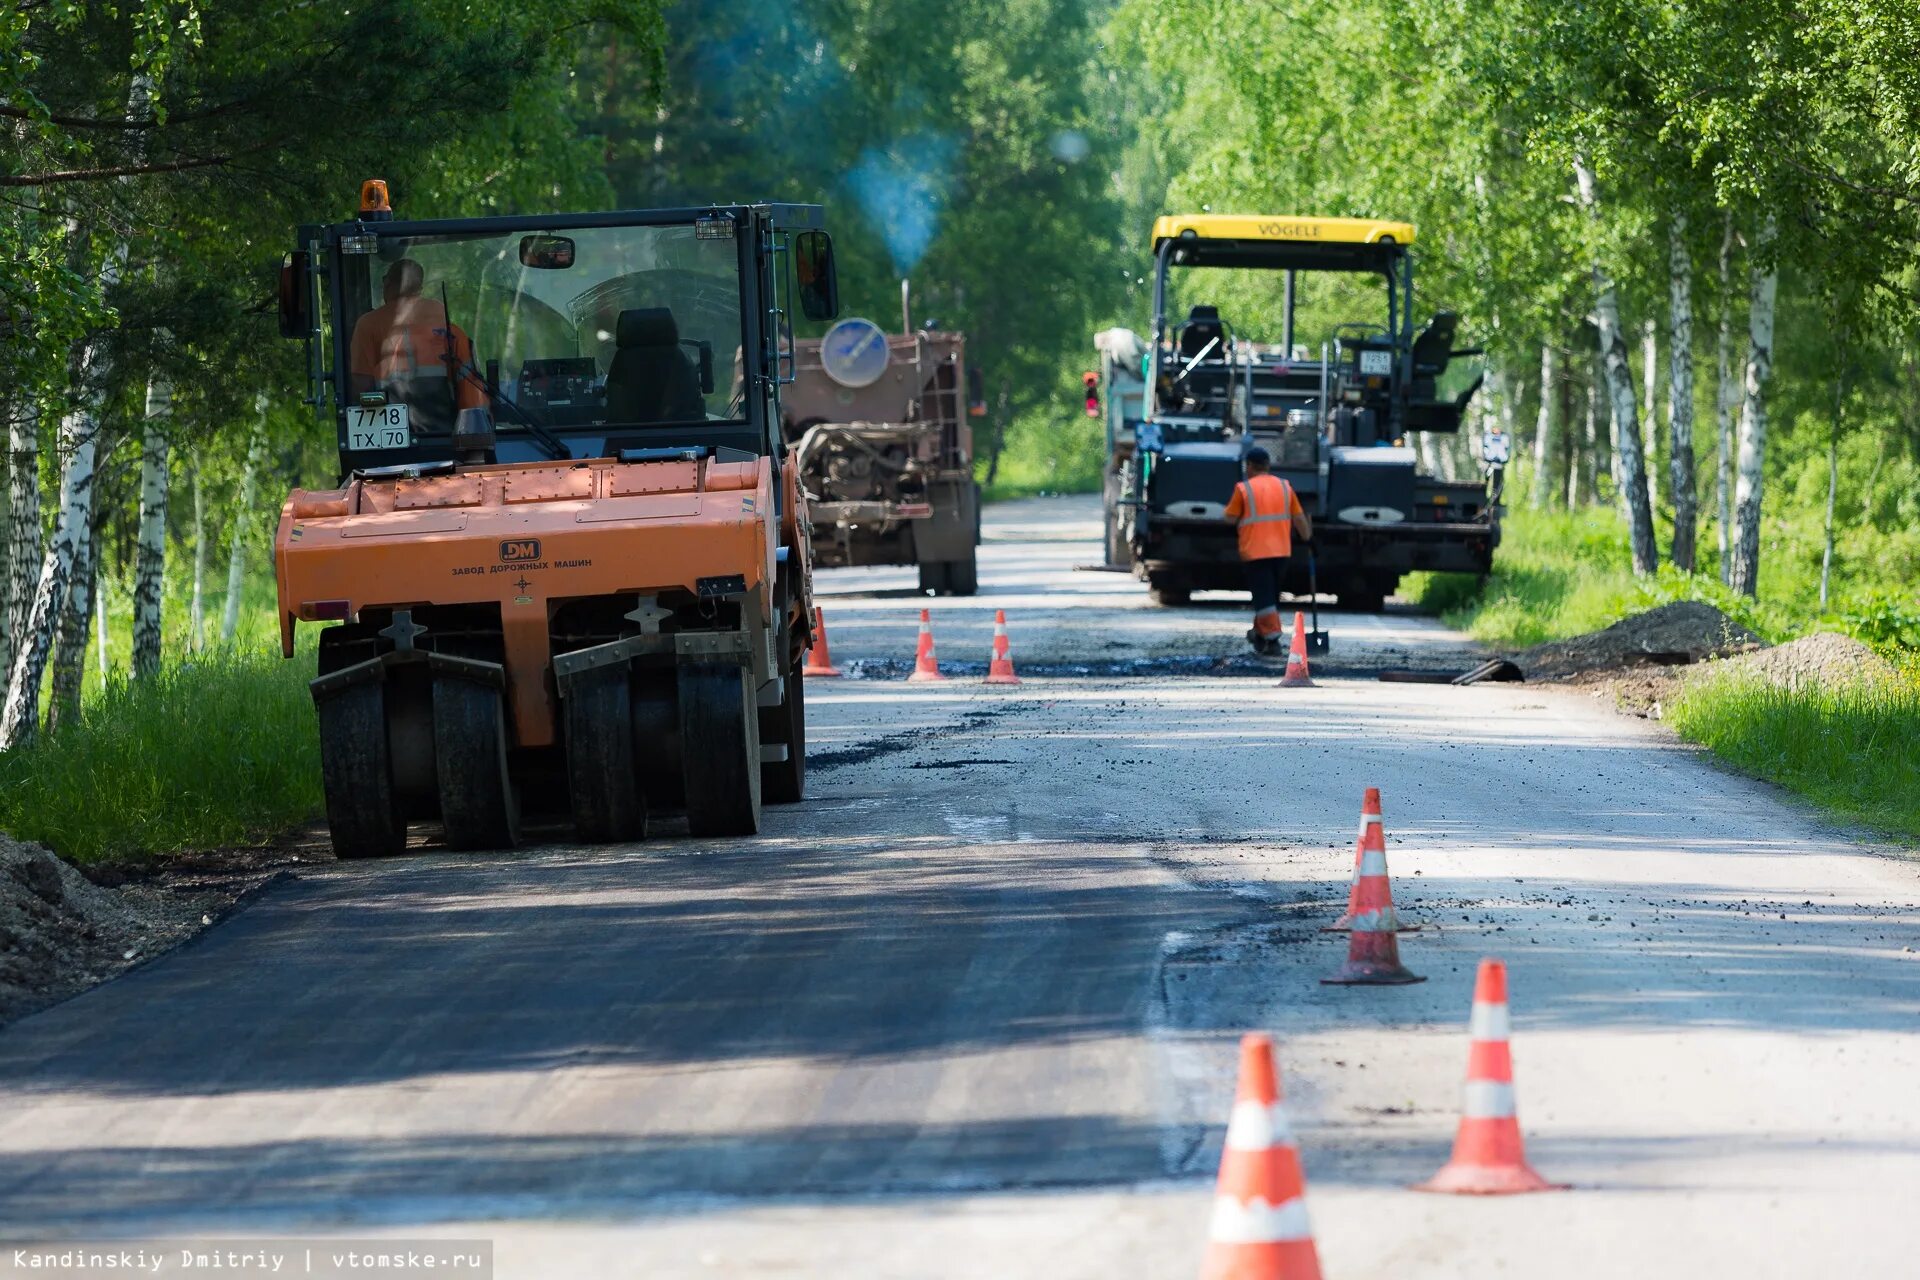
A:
1672	635
58	931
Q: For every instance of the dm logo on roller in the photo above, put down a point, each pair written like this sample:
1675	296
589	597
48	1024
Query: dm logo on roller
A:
514	550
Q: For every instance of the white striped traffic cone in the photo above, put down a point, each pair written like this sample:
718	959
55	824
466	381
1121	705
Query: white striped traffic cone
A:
1000	670
1489	1158
1259	1229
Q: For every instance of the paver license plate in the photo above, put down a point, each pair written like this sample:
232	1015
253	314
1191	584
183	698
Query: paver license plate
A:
378	427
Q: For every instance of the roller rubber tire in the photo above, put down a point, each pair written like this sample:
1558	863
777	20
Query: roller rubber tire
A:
785	781
1169	591
603	779
362	818
963	577
477	805
720	750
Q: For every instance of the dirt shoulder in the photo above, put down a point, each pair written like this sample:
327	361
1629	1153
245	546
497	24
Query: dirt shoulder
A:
64	930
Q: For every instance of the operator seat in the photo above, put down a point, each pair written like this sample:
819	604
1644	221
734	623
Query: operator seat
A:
1433	349
651	379
1203	326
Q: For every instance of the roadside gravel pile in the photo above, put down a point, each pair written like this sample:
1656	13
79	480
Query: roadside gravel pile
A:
1827	660
58	930
1674	634
61	933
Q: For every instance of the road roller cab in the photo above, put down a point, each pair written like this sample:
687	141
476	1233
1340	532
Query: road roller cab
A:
567	564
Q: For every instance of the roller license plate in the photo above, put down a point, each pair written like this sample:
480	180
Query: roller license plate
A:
378	427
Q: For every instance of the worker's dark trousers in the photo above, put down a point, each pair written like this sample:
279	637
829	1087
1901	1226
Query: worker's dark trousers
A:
1263	579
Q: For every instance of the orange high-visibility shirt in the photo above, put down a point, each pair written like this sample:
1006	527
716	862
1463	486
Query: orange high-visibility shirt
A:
1264	505
405	335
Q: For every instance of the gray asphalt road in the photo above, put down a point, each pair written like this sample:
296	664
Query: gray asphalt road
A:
970	1009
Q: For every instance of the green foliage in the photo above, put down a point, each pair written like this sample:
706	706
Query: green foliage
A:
1885	620
1855	750
219	749
1556	574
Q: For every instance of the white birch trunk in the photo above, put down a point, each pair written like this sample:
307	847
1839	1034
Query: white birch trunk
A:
1619	388
71	626
1686	498
20	719
1588	490
197	608
1544	428
150	560
1751	465
1726	401
242	517
23	526
1650	410
1833	483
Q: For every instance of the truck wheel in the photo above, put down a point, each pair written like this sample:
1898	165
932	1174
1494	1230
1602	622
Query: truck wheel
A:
963	577
470	757
362	816
1169	589
719	750
933	576
1363	600
602	777
785	781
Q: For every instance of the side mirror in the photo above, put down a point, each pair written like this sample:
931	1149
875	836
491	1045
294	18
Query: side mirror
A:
976	393
819	281
1495	448
296	295
1090	388
546	253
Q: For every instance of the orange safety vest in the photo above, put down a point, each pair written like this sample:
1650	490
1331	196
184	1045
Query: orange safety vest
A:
403	336
1265	506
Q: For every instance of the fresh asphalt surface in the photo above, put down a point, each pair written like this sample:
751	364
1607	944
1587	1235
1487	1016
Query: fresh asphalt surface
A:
970	1010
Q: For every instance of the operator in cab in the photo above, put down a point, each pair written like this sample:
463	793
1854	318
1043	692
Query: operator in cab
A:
409	348
1267	513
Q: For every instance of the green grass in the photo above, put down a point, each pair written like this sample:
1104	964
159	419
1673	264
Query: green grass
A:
216	750
1565	573
1854	751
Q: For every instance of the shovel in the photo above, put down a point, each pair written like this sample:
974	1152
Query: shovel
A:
1317	640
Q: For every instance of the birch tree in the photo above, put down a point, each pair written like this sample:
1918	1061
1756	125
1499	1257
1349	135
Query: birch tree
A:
1544	431
1726	401
1764	275
79	433
1617	373
150	557
23	525
1680	391
242	518
1650	408
197	606
73	621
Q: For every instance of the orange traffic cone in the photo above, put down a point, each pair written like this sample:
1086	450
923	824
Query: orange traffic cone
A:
1000	670
1259	1229
1373	953
819	658
1372	838
1297	676
925	665
1488	1158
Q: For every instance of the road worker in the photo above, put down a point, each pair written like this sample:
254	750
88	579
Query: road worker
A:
1267	513
408	347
